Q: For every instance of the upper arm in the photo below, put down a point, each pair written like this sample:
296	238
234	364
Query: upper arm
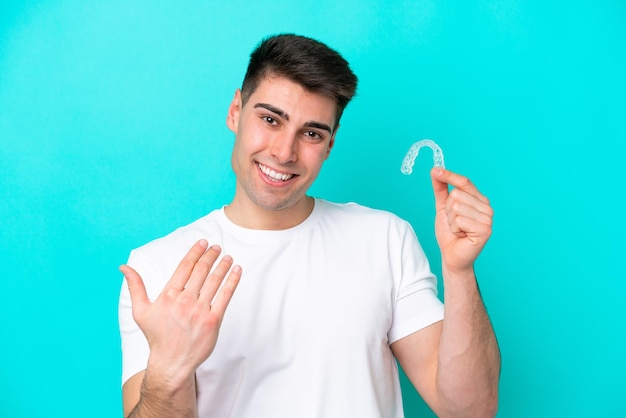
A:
131	392
418	355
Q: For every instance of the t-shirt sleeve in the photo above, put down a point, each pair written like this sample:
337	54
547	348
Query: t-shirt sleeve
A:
135	348
417	305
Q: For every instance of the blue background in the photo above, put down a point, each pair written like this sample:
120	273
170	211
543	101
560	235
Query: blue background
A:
112	133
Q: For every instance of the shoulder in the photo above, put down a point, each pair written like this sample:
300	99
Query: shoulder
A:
352	213
174	245
353	209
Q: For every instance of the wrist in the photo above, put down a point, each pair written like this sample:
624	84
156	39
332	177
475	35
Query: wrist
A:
465	273
167	378
160	398
459	282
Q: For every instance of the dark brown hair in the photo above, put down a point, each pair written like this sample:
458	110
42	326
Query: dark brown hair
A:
310	63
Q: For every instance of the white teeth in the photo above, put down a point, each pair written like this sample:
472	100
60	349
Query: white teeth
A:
273	174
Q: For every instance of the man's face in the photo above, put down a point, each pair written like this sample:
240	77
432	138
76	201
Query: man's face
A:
283	134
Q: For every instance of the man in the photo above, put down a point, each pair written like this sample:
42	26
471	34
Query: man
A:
330	295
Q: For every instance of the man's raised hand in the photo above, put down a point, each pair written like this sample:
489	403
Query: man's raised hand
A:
182	324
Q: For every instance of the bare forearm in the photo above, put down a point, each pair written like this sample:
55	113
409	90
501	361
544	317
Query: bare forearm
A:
469	358
158	399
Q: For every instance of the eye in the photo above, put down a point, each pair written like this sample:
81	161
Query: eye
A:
270	120
312	135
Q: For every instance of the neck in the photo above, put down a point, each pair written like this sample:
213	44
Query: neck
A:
254	217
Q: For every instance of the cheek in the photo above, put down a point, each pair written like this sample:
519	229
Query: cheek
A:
244	142
250	140
317	159
238	156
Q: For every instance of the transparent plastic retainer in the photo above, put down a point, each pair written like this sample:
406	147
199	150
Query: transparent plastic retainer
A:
409	159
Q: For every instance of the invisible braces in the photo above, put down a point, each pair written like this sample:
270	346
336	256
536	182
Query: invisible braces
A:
409	159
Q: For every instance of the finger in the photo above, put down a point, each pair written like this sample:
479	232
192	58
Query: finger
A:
185	267
463	209
215	279
454	226
226	292
469	213
466	204
440	189
202	268
458	181
473	229
136	288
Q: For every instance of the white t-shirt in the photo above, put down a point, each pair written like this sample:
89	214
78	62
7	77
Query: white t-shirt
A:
308	331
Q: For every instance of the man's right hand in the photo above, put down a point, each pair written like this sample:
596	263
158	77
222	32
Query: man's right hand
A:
182	324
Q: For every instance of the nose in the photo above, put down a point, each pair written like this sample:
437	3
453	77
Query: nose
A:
284	148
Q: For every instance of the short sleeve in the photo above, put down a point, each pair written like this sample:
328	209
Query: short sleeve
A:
417	305
135	348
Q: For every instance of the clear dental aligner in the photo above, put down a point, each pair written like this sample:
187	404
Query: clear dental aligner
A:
409	159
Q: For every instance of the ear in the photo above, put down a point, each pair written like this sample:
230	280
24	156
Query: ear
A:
234	111
331	143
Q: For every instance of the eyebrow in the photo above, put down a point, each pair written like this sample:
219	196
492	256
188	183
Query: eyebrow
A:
318	125
285	115
273	109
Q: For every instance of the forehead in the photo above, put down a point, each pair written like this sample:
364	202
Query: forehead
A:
293	99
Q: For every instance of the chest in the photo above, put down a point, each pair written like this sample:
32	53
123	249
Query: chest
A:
297	294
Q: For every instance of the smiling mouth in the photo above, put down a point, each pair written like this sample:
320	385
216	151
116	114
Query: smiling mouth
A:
273	175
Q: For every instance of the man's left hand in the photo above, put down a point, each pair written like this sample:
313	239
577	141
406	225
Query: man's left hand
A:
463	220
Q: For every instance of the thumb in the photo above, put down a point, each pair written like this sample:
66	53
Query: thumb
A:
440	188
137	290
